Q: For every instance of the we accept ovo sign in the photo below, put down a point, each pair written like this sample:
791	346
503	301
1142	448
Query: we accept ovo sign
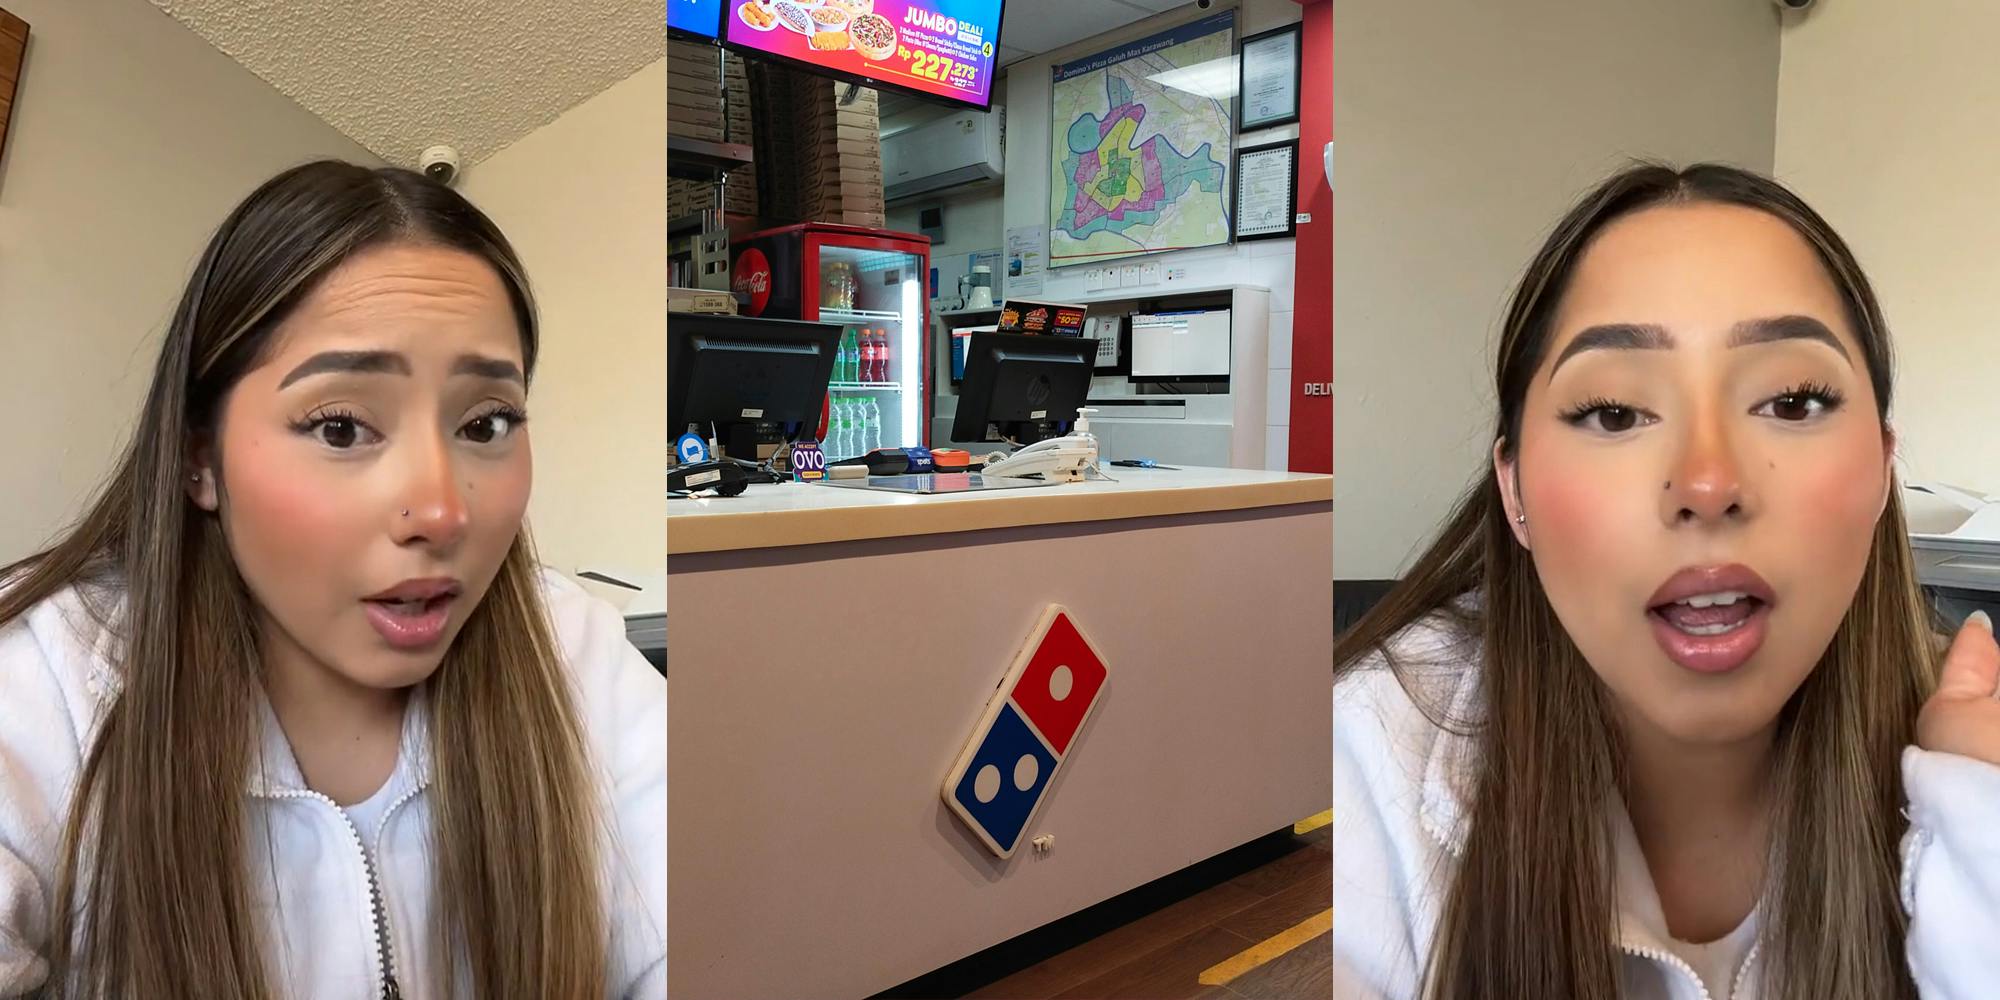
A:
1027	732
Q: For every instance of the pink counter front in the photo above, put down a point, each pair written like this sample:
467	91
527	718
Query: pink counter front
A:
831	651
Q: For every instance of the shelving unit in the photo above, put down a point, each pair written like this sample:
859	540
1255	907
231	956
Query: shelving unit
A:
698	252
700	160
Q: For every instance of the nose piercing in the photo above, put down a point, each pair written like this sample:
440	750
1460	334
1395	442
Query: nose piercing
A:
406	513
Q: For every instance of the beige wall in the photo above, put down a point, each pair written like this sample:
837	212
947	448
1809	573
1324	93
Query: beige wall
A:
1886	125
1462	130
131	139
584	200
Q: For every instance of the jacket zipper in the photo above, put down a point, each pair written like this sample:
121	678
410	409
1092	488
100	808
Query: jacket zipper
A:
1749	959
1671	959
1735	987
377	917
390	991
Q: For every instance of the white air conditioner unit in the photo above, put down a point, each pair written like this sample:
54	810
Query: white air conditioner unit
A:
966	147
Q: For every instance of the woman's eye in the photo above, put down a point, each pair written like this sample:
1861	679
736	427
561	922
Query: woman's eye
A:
493	426
1796	405
338	431
1615	419
1606	417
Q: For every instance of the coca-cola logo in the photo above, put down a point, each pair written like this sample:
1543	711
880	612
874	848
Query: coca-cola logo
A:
752	278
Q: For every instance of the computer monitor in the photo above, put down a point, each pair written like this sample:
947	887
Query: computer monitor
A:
750	379
1025	383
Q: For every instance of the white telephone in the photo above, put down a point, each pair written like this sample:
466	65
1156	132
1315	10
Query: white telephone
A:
1065	459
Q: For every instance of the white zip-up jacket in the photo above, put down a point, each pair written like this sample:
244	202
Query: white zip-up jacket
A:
326	936
1401	788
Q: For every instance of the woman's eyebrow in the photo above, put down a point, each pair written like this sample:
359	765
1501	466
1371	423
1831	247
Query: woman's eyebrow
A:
1773	329
1654	337
391	363
1616	337
348	362
485	367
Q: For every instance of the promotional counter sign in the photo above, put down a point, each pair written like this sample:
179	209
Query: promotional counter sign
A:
1026	733
691	448
808	462
941	49
1025	316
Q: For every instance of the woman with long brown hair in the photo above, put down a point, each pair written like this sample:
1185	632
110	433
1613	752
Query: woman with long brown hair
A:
1662	711
291	711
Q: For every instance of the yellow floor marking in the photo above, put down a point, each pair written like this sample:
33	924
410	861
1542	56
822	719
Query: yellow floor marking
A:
1264	951
1311	823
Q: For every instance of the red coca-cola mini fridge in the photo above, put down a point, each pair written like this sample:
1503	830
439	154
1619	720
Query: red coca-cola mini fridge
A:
872	282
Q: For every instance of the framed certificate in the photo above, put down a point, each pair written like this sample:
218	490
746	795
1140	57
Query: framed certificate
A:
1267	179
1268	84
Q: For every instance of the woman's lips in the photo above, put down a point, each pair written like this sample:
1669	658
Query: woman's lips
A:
410	625
1711	654
1711	619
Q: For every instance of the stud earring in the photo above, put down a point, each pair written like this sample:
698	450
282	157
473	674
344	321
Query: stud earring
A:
1520	519
195	477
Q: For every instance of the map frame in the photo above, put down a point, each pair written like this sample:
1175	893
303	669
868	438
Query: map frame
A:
1221	156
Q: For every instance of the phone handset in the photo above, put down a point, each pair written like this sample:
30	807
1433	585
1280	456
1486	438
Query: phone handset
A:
1068	458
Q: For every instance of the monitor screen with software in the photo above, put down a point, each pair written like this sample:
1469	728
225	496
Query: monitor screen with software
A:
744	376
1184	346
1026	383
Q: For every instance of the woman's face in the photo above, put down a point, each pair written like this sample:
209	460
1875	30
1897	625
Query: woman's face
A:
1701	465
374	467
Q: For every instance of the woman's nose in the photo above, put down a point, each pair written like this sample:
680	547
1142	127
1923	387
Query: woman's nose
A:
1705	481
433	508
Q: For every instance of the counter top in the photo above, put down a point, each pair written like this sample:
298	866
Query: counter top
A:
775	516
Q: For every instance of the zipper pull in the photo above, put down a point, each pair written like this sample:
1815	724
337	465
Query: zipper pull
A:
390	991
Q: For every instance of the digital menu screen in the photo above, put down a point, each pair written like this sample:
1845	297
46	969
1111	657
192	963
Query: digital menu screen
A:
696	17
933	48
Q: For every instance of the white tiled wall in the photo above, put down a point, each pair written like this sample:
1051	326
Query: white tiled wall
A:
973	221
1277	447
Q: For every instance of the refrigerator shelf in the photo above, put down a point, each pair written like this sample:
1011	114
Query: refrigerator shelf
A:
858	315
865	386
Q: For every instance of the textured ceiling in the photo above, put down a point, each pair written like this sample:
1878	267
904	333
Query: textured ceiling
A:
398	76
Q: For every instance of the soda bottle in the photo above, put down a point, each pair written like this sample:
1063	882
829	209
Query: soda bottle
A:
882	356
843	370
867	373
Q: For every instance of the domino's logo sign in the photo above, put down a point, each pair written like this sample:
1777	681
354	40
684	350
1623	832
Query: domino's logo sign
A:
1026	733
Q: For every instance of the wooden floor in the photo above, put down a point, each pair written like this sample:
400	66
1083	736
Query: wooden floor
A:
1155	941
